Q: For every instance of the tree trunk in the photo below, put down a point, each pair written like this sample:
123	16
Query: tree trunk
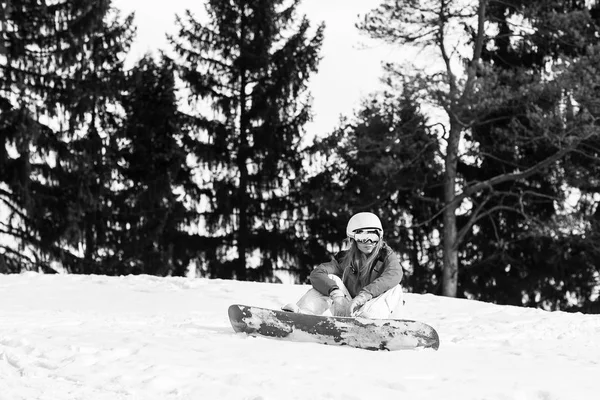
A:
458	105
450	274
242	242
242	237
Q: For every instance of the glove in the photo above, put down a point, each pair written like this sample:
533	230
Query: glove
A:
340	306
358	302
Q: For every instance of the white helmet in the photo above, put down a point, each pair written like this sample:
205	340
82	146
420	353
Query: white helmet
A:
363	220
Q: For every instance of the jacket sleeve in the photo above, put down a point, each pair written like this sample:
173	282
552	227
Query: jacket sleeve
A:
319	276
390	277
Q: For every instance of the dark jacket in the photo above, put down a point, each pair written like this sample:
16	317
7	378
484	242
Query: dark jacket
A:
385	273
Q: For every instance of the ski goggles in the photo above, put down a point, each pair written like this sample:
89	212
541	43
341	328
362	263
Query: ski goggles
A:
366	237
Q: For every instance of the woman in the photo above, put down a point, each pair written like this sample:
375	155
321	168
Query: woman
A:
363	280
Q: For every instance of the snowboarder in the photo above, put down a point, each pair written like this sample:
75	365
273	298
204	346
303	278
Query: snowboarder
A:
362	280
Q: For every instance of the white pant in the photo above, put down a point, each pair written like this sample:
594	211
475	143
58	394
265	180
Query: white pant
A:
387	305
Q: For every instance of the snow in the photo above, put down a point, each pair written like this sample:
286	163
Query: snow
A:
143	337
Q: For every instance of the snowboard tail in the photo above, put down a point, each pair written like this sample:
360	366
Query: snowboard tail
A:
370	334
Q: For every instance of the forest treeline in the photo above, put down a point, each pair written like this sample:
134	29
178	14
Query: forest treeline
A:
193	159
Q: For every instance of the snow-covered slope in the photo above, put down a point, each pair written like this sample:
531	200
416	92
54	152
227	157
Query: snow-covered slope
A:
65	337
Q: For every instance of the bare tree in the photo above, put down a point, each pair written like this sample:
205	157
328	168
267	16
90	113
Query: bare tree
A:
454	33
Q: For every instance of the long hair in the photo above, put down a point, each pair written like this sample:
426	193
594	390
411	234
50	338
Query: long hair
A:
359	260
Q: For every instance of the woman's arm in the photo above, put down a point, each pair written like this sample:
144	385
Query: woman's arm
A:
391	276
319	276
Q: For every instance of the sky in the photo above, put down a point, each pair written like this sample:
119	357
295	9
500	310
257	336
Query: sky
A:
349	70
70	337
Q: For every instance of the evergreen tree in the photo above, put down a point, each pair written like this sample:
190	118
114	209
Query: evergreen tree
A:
147	230
60	68
247	68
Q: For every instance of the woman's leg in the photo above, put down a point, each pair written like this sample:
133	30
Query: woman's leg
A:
314	302
387	305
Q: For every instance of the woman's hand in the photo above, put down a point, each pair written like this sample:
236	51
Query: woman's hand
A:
359	301
341	305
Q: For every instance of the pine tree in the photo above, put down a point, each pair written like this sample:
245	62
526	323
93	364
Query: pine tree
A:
148	229
61	67
247	69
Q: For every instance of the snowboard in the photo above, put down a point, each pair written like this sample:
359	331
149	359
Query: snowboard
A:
364	333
